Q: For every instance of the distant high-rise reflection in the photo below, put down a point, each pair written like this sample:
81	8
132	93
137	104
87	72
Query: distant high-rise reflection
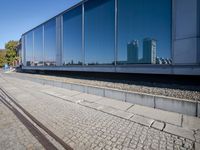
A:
149	51
132	51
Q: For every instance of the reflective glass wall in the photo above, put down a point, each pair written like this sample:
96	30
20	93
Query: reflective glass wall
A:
50	43
38	46
72	37
99	32
29	49
134	32
144	31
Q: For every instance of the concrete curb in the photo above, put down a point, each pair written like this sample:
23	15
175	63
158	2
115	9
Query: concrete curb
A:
182	106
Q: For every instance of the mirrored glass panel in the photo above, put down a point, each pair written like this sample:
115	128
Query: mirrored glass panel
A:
144	31
99	32
50	43
38	46
72	37
29	49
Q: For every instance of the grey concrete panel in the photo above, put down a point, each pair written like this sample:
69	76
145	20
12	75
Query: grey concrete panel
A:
176	105
48	82
66	85
79	88
115	94
165	116
140	99
142	68
142	120
113	103
185	18
198	111
179	131
117	112
87	97
190	70
58	84
191	122
92	105
185	51
95	91
158	125
197	146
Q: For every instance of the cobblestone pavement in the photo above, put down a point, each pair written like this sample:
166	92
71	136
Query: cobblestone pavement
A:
13	134
85	128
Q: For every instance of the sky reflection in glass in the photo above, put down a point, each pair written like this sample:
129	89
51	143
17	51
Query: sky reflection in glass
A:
144	31
72	37
38	46
50	43
99	32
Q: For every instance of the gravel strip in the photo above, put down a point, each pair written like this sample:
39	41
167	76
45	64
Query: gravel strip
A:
170	90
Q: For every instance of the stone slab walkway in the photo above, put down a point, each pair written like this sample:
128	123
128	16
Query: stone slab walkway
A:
87	121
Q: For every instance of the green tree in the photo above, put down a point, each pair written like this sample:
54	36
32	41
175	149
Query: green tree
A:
11	53
11	45
2	58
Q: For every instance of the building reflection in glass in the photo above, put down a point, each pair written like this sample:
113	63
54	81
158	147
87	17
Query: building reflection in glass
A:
132	51
149	51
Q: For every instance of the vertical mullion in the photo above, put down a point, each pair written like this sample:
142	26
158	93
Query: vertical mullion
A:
83	34
62	40
43	46
33	52
116	34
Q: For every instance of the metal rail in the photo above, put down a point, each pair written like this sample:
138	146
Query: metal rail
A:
34	130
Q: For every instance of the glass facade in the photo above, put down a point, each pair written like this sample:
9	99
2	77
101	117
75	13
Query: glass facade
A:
29	49
99	32
144	31
38	46
50	43
103	33
72	37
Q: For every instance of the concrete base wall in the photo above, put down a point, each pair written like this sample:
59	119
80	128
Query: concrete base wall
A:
198	112
186	107
146	69
172	104
140	99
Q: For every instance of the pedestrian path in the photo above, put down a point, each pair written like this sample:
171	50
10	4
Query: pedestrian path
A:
88	121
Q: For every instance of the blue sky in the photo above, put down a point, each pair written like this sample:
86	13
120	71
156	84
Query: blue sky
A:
19	16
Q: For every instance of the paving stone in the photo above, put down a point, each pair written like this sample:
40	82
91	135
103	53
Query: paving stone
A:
158	125
92	105
170	117
142	120
87	97
86	128
117	112
115	104
191	122
197	146
13	134
186	133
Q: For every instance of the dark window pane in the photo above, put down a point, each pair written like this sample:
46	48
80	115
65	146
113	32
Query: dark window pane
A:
144	31
38	46
99	32
72	37
29	49
50	43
